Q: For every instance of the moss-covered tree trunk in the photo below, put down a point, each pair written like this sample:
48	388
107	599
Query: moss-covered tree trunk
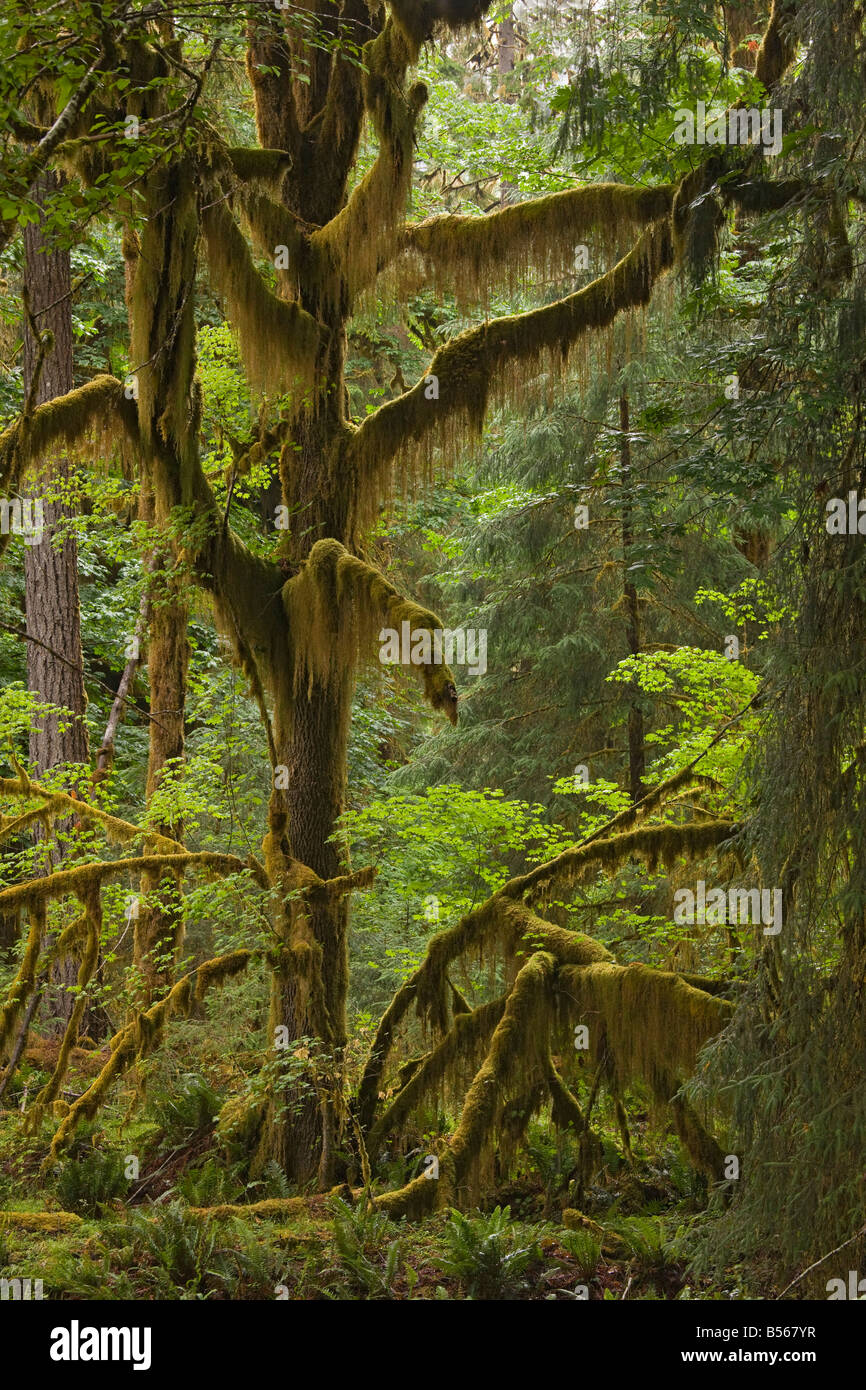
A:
159	926
636	746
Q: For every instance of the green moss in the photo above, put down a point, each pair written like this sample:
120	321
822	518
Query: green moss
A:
470	256
279	341
40	1222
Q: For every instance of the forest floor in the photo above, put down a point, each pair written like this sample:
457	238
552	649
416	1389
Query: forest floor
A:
146	1205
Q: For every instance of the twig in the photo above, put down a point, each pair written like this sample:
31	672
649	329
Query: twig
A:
849	1241
22	1036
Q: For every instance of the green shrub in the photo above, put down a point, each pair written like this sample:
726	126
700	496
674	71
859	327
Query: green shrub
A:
489	1253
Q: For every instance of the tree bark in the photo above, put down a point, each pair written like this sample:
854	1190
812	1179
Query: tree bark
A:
636	748
51	567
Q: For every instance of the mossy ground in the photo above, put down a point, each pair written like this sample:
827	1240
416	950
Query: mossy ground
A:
194	1225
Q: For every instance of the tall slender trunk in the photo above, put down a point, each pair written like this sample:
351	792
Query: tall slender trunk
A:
506	51
636	748
160	922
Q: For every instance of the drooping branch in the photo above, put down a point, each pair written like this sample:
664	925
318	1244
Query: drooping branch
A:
469	255
506	920
39	158
24	983
280	342
519	1050
493	357
98	409
456	1051
466	373
337	603
644	1025
139	1037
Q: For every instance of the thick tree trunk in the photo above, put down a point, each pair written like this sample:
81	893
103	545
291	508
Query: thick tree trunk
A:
54	657
315	743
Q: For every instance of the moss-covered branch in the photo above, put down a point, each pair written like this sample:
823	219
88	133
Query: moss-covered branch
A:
507	922
458	1050
337	604
652	844
279	340
139	1037
469	255
96	411
518	1052
25	981
497	357
58	804
84	876
354	246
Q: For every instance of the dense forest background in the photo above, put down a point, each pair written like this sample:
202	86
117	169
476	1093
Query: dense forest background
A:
328	969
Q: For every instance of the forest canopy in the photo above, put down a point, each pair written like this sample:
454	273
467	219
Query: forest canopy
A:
432	501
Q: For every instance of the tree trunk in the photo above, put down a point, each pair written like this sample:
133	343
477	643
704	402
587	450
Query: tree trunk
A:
315	743
506	51
54	656
159	925
636	749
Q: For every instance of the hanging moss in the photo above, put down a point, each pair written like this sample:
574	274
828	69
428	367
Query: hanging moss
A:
469	256
646	1025
419	20
336	605
96	413
279	341
259	167
221	968
565	1111
495	360
271	225
459	1049
652	844
701	1146
778	46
